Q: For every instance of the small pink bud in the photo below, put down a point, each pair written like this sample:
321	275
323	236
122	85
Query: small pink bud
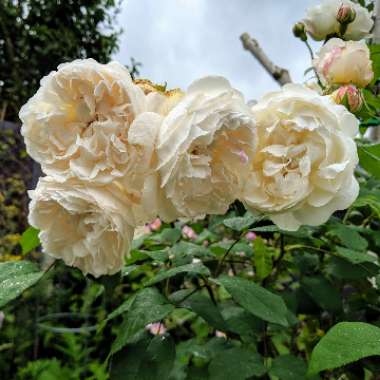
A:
189	233
155	225
220	334
156	328
349	96
250	236
206	243
346	14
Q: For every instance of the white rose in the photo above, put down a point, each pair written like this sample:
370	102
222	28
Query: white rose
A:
204	146
88	227
303	170
321	20
77	122
344	62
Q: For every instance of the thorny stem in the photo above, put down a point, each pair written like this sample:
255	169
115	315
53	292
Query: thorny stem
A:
315	71
219	267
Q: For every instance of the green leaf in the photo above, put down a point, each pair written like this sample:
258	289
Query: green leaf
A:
354	257
348	236
126	363
271	228
322	292
236	363
369	198
288	367
255	299
158	360
240	223
197	268
168	236
369	158
344	270
15	277
375	58
29	240
205	308
262	258
149	306
345	343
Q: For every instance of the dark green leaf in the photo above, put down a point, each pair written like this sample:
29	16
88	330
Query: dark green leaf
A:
197	268
126	363
29	240
15	277
255	299
345	343
288	367
236	363
158	359
348	236
354	257
149	306
322	292
204	307
369	158
240	223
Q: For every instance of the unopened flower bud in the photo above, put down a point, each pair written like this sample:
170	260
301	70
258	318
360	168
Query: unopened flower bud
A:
346	14
299	31
349	96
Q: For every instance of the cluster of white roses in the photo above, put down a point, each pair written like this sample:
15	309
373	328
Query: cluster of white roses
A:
119	153
343	64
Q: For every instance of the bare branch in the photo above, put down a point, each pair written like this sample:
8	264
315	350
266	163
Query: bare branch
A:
374	133
280	75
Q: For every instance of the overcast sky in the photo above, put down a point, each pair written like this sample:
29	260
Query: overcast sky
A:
181	40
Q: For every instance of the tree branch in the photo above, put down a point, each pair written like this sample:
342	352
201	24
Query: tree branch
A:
280	75
374	133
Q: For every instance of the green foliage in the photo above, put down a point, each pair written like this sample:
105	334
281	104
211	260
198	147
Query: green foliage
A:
346	342
369	156
15	277
38	35
29	240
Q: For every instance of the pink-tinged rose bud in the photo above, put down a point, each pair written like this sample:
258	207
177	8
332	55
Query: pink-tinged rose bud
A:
189	233
206	243
350	96
346	14
220	334
156	328
155	225
344	62
299	31
250	236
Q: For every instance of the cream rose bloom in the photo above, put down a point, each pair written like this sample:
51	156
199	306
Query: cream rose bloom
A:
344	62
204	146
303	170
88	227
78	121
321	20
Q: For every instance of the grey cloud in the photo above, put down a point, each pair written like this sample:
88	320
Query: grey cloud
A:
181	40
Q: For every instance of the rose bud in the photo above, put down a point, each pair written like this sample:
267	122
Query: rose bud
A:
349	96
299	31
346	14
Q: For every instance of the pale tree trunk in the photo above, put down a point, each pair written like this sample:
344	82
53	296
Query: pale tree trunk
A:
374	133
